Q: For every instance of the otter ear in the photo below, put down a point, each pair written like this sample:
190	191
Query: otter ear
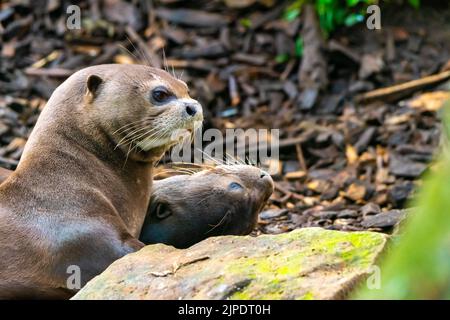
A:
93	83
162	211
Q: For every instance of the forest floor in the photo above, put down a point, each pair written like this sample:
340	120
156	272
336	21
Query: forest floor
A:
346	162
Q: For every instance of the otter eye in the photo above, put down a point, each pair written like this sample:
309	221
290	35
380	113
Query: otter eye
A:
161	95
235	186
162	211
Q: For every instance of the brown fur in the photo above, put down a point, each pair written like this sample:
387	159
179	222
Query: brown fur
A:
202	205
76	198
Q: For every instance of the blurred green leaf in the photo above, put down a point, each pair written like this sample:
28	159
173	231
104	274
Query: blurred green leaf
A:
299	47
291	15
293	10
414	3
353	19
334	13
418	267
282	58
352	3
246	22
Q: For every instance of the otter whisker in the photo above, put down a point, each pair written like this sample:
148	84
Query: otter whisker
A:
192	166
181	169
132	44
129	125
207	166
134	128
220	222
126	158
166	171
236	160
151	130
249	162
129	138
128	51
129	135
144	57
229	159
198	125
173	72
213	193
157	161
187	170
152	137
133	145
216	161
165	60
182	141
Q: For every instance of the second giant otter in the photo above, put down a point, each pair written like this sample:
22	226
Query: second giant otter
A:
79	196
224	200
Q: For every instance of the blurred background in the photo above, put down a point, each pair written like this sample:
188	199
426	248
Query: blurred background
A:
350	155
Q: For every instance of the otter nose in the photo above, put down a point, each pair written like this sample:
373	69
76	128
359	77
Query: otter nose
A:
191	109
267	179
266	184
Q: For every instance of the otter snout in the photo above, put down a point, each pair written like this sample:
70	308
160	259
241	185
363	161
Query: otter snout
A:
267	182
193	110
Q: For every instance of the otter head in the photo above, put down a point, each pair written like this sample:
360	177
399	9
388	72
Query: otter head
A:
225	200
144	110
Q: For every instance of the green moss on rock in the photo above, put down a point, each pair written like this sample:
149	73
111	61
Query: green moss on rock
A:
310	263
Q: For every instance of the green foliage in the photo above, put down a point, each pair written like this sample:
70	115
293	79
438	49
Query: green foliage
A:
245	22
332	14
353	19
335	13
298	47
293	10
418	266
414	3
282	58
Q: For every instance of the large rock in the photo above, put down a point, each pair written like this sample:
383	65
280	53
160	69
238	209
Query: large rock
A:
310	263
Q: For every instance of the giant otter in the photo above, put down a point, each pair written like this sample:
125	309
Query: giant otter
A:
186	209
80	193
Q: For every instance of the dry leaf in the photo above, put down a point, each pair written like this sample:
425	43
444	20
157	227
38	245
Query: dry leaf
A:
295	175
356	192
351	154
123	59
430	101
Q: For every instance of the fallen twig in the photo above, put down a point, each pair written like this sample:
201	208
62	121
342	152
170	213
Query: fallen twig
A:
400	90
53	72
